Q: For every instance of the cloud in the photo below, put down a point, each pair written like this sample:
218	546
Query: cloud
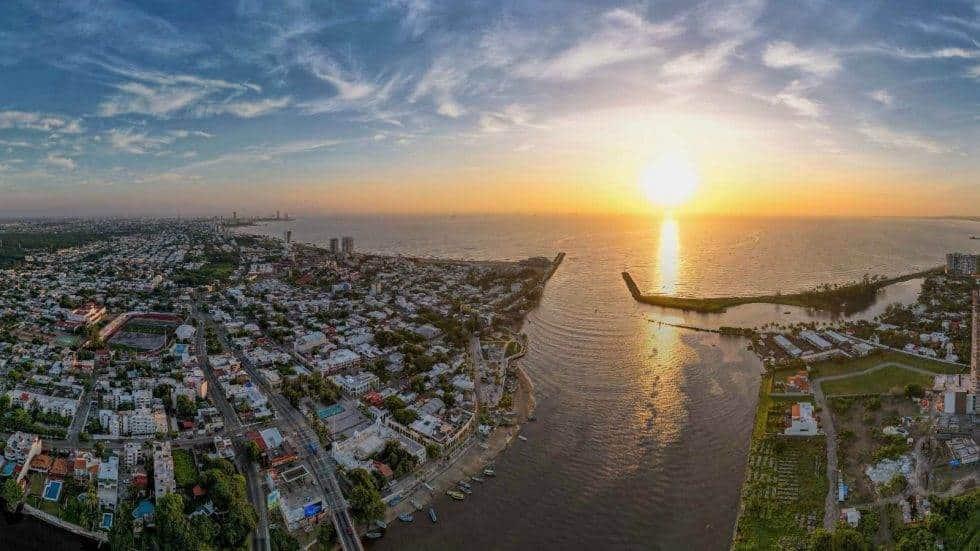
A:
973	72
693	68
905	53
136	143
505	119
189	133
623	36
9	143
784	55
162	95
25	120
902	140
264	153
60	162
418	15
882	97
244	109
440	82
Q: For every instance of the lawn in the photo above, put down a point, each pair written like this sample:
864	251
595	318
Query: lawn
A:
185	473
888	380
840	366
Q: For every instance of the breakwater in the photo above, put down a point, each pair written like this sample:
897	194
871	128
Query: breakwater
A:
847	298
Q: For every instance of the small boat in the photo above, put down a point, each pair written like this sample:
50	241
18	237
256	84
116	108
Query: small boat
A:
477	478
489	472
381	524
406	517
484	446
458	496
373	535
522	437
432	515
463	484
466	491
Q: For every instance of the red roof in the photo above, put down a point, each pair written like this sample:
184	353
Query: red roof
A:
383	470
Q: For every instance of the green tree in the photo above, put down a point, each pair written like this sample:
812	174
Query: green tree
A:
11	493
186	408
174	531
253	451
846	538
820	540
326	536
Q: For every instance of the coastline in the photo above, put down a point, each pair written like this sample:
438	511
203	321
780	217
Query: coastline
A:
472	460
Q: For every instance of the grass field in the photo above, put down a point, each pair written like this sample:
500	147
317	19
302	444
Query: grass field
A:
888	380
840	366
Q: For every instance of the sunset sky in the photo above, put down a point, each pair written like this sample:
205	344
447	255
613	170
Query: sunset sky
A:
789	107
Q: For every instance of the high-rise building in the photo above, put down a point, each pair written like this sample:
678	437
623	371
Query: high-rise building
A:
334	245
277	215
347	245
289	236
962	264
975	345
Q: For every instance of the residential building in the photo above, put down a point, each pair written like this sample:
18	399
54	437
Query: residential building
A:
163	470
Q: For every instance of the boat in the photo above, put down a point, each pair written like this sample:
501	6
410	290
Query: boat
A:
489	472
458	496
465	490
432	515
463	484
477	478
974	237
373	535
417	505
522	437
381	524
406	517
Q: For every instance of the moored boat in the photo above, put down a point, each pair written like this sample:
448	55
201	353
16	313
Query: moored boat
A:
458	496
406	517
373	535
432	515
489	472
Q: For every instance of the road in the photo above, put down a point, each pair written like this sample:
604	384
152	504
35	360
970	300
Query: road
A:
233	426
81	416
292	421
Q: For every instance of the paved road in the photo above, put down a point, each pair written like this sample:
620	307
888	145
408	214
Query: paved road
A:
81	416
831	513
253	479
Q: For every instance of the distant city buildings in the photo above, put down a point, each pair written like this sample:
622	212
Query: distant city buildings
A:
962	264
347	245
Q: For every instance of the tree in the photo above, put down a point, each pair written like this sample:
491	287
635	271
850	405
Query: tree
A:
186	408
11	493
326	536
846	538
174	532
253	451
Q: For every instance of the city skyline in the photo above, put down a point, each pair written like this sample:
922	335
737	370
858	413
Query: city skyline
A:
414	106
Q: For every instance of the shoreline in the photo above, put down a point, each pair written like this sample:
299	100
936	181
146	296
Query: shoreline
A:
473	459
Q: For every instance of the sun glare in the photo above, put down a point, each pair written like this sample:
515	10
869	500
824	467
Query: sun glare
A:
670	180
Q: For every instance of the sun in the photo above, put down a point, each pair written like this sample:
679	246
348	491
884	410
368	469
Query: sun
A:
670	180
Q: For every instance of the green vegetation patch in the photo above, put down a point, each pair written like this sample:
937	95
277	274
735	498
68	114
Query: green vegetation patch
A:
887	380
185	473
841	366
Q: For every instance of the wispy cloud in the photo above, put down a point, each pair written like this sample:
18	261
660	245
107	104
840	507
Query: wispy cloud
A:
135	142
622	36
903	140
43	122
509	117
242	108
784	55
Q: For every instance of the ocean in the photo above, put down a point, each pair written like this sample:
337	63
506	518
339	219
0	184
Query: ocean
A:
643	428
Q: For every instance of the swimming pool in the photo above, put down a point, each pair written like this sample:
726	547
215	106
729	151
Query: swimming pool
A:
52	490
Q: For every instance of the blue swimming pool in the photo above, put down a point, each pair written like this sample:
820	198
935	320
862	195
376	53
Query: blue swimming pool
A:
52	490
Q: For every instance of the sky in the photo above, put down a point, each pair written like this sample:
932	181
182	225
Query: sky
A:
807	107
